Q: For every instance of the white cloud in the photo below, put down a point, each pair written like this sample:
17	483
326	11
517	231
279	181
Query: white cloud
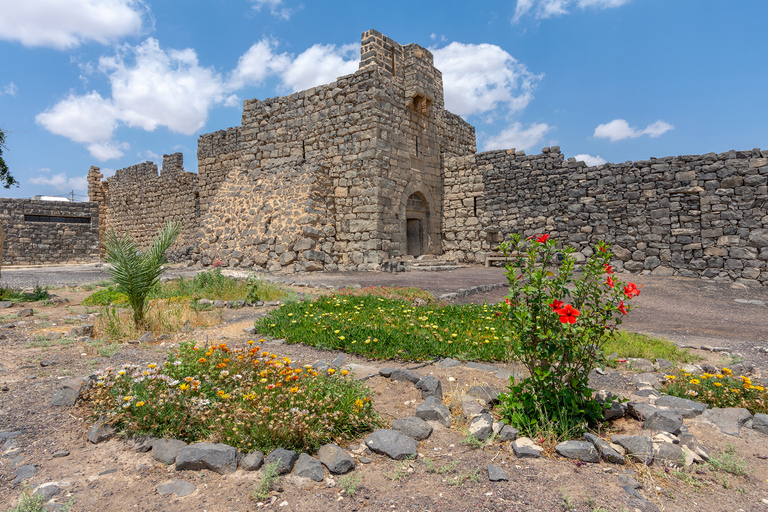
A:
10	90
543	9
102	151
590	160
276	8
62	182
256	64
518	137
480	78
320	64
619	129
87	118
64	24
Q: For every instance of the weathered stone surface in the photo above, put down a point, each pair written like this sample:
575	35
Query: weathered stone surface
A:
729	420
689	440
430	386
100	432
616	410
336	459
413	427
433	409
686	408
639	364
760	423
24	473
47	490
81	330
579	450
524	447
640	410
68	393
286	459
668	454
482	367
508	433
309	467
180	488
481	427
405	375
488	394
664	421
392	444
252	461
639	448
470	408
166	450
448	363
606	451
496	474
219	458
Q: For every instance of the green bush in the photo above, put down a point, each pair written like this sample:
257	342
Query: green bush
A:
106	297
560	324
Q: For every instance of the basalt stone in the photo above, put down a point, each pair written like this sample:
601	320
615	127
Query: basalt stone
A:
616	410
482	367
606	451
640	411
470	408
638	447
405	375
508	433
100	432
640	364
668	454
336	459
252	461
579	450
386	372
448	363
392	444
430	386
24	473
664	421
180	488
496	474
729	420
26	312
166	450
143	444
760	423
218	457
309	467
481	427
413	427
524	447
686	408
689	441
81	330
47	490
68	393
488	394
287	460
433	409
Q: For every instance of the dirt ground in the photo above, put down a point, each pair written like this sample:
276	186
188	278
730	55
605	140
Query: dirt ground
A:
112	476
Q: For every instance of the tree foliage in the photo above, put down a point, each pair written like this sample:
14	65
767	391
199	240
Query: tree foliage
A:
136	272
6	179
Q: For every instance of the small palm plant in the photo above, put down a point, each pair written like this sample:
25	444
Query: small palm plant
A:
136	272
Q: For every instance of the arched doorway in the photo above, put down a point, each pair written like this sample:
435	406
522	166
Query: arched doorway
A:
416	220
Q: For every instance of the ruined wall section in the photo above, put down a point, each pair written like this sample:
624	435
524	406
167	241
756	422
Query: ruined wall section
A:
693	215
465	232
49	232
458	137
140	201
217	154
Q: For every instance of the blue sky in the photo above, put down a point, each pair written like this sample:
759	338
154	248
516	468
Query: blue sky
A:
112	83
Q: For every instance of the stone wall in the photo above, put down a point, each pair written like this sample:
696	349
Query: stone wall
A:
45	232
139	201
693	215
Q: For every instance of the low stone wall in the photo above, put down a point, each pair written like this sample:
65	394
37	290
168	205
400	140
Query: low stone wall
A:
45	232
693	216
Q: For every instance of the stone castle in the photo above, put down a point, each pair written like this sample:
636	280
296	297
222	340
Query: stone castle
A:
371	170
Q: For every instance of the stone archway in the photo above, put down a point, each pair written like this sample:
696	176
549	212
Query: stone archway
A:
417	225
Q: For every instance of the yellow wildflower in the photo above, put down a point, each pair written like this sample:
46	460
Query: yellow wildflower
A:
139	404
694	381
718	384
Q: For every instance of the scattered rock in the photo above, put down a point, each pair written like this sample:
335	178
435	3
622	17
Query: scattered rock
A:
647	379
470	408
579	450
668	453
60	453
309	467
663	364
496	474
166	450
508	433
640	410
433	409
606	451
486	393
23	473
252	461
219	304
250	331
81	330
219	458
413	427
143	444
729	420
338	361
5	304
392	444
639	447
47	490
686	408
68	393
23	313
430	386
100	432
760	423
287	460
616	410
406	375
481	427
147	337
481	367
448	363
640	364
524	447
628	480
335	458
664	421
689	441
386	372
180	488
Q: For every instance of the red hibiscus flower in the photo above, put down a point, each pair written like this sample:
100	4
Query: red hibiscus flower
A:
568	314
622	308
608	268
610	282
556	305
542	238
630	290
509	302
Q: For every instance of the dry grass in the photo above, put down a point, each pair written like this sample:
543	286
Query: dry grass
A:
164	316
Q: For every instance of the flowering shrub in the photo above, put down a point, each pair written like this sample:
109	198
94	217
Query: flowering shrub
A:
242	396
719	390
560	323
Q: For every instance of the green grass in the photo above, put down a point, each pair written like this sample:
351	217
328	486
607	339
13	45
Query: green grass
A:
14	295
268	478
729	461
630	344
377	327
